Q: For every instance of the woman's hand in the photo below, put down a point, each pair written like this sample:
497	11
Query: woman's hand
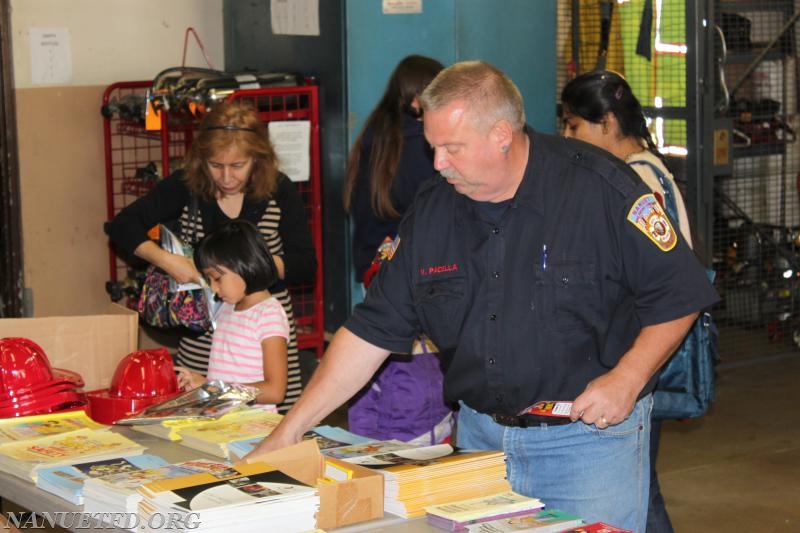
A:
188	380
180	268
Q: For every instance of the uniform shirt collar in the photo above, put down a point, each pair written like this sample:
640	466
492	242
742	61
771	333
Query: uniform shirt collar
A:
531	188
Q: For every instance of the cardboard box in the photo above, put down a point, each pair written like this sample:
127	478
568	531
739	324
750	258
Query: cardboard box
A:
90	345
341	503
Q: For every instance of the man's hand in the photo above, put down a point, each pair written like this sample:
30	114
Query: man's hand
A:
270	443
607	400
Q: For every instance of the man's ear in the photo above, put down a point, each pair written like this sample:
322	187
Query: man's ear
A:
501	135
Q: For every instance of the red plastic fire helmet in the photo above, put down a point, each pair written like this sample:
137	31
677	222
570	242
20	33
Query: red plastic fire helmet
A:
29	385
142	378
23	364
144	374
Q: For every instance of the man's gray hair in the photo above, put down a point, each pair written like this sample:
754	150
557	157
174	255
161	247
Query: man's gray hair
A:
490	95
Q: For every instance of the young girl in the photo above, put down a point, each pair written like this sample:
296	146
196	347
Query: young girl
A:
249	344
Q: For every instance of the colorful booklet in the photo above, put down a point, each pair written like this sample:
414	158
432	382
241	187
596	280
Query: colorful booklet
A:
597	527
170	429
544	408
387	453
455	516
33	427
327	437
24	458
67	481
545	521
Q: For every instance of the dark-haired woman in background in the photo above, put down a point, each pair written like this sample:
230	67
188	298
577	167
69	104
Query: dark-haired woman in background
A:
388	162
600	108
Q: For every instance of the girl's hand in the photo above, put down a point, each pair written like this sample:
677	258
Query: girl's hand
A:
188	380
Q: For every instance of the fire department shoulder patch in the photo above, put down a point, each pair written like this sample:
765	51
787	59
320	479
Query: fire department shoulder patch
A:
648	215
393	248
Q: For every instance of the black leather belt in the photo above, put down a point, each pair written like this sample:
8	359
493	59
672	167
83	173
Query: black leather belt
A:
529	421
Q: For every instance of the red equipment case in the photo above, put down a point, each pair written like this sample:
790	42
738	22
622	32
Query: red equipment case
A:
129	148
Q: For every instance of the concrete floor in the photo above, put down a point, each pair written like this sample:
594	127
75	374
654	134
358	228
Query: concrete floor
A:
738	467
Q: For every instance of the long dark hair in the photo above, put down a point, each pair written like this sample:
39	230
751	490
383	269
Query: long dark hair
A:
238	246
594	94
407	82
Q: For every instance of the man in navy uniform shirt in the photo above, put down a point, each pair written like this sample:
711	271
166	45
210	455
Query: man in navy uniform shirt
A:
550	272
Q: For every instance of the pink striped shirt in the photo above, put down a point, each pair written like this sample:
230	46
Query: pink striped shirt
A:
236	355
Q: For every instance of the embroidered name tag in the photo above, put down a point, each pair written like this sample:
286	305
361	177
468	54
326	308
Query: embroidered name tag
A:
647	215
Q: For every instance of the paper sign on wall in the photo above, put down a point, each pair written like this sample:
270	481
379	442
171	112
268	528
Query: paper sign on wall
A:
294	17
291	140
402	7
51	56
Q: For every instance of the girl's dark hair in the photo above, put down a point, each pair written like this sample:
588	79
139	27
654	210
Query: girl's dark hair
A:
594	94
239	247
408	80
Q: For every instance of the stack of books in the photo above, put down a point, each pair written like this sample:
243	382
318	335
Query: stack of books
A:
214	437
545	521
252	497
25	458
118	493
411	486
67	481
416	476
171	429
457	515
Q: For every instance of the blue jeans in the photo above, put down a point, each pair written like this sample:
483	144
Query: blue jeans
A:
601	475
